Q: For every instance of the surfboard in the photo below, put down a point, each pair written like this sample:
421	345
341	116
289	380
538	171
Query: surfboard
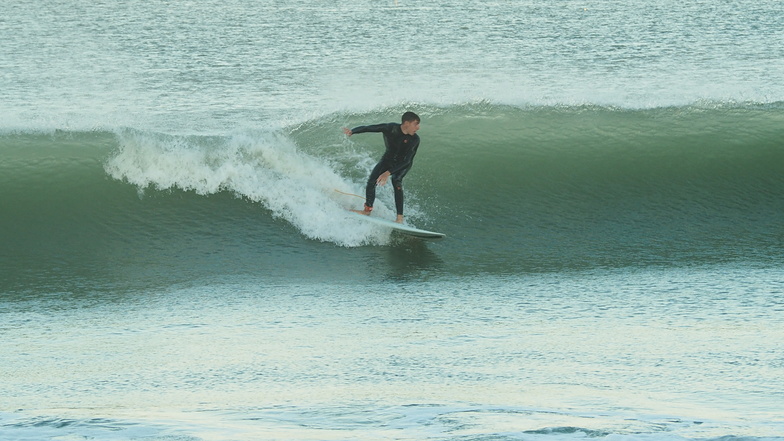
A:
403	228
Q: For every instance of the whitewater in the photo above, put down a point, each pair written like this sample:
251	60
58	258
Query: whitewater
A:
175	263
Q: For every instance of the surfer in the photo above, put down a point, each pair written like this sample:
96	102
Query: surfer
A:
401	143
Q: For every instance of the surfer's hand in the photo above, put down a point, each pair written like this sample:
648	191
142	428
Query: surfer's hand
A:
383	178
347	131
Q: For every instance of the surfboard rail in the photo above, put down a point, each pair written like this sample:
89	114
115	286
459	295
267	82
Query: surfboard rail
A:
403	228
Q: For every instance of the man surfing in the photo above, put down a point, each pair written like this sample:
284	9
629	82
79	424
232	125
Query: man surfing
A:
401	143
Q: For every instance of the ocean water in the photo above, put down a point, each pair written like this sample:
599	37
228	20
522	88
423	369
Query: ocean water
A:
176	265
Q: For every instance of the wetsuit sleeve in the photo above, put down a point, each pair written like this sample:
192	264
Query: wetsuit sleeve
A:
375	128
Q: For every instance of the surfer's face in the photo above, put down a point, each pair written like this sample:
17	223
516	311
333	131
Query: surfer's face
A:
410	127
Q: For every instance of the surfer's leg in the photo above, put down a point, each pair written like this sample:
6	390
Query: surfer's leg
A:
370	189
398	186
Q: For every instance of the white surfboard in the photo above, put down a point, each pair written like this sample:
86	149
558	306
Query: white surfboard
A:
403	228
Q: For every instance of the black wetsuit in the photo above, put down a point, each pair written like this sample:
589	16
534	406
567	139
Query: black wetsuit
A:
397	160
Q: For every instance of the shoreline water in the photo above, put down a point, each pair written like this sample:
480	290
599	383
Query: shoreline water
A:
661	354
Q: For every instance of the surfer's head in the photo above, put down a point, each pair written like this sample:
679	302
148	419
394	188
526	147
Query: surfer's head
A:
410	116
410	123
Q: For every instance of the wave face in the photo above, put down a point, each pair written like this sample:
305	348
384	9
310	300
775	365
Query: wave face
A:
652	186
514	188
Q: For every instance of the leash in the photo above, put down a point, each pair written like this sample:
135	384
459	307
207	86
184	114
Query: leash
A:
349	194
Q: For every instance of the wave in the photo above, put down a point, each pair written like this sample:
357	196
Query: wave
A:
406	422
566	184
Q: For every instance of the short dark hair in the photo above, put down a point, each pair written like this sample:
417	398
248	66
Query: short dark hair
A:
410	116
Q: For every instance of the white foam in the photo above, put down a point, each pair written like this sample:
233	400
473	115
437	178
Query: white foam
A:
264	167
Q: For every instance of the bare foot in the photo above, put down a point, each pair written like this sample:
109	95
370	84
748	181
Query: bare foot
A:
399	219
366	211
